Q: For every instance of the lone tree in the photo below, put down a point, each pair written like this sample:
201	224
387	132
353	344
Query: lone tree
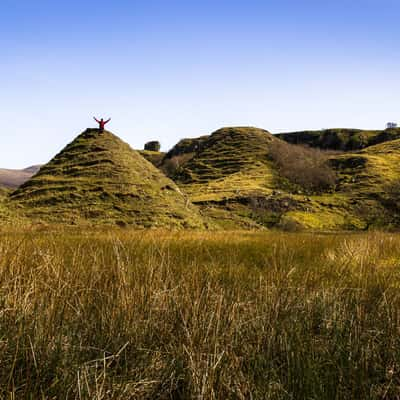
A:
152	146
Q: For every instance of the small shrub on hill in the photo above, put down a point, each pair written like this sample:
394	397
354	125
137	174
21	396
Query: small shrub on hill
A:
152	146
172	166
289	225
303	166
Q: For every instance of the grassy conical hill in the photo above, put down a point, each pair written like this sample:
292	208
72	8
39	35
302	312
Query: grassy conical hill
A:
226	170
99	178
231	163
226	152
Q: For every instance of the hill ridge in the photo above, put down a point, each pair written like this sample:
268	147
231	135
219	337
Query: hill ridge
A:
342	139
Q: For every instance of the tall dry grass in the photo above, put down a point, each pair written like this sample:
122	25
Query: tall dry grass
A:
158	315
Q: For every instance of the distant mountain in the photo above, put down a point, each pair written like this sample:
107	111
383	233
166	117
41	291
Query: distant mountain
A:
13	178
99	179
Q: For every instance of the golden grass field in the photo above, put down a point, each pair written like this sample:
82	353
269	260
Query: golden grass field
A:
123	314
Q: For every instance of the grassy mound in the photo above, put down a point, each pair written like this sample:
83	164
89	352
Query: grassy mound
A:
226	152
340	139
230	170
98	178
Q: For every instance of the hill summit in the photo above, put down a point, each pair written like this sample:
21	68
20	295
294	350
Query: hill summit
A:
225	152
98	178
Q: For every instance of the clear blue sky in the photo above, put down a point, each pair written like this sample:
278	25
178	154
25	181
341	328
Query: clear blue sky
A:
172	69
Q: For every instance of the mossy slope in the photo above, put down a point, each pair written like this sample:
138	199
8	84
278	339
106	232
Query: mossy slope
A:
340	139
98	178
230	162
367	193
370	180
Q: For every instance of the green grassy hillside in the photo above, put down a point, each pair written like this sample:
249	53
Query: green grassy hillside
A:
341	139
99	179
227	152
367	192
235	180
228	172
371	180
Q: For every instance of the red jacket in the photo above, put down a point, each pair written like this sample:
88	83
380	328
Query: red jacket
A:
102	123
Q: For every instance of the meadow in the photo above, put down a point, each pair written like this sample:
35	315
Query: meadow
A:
153	314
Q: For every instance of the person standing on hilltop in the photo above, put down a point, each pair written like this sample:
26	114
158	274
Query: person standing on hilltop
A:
102	123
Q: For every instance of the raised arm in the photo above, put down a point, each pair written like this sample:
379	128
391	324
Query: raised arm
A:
96	120
106	122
